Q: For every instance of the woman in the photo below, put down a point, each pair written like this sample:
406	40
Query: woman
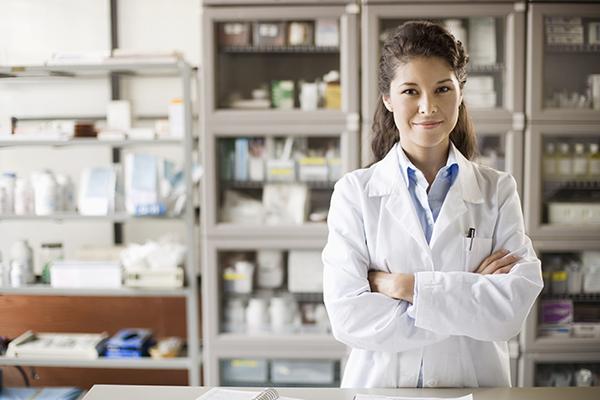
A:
428	271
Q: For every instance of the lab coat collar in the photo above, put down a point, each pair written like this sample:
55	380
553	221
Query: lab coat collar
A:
387	179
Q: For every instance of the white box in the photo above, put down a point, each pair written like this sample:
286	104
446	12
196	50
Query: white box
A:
574	213
281	170
586	329
151	278
305	271
313	372
85	274
312	169
118	115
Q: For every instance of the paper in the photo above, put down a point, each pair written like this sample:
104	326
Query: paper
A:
228	394
375	397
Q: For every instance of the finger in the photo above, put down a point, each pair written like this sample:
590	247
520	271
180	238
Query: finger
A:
501	263
504	270
491	258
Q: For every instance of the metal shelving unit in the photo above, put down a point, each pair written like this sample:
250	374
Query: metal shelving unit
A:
172	67
223	123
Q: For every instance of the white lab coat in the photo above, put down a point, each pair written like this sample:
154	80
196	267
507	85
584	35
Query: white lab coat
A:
462	320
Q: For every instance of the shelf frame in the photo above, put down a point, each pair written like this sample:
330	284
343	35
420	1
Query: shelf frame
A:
145	363
533	182
535	62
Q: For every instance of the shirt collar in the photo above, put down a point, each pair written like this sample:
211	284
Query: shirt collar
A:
409	171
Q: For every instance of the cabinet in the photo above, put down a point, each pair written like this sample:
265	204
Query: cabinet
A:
277	140
562	38
494	36
188	218
558	369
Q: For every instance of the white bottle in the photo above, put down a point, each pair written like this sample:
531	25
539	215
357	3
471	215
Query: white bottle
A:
257	315
66	193
7	202
580	162
564	161
46	193
176	118
21	263
550	161
24	197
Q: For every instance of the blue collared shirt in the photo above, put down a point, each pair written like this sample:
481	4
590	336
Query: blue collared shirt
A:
428	204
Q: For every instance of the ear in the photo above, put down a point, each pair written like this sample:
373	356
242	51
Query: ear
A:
387	103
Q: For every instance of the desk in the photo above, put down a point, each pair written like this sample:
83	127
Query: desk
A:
123	392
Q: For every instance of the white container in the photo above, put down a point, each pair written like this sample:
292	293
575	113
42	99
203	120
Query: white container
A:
118	115
7	195
305	271
66	193
580	162
45	193
257	315
309	96
86	274
176	118
24	197
21	263
574	213
270	269
565	161
282	311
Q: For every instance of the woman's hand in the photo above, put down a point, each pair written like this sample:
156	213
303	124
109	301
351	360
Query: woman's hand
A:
499	262
394	285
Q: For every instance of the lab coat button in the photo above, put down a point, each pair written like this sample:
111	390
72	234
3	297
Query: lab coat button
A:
432	382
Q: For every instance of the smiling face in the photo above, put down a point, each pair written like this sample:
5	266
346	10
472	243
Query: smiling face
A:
424	97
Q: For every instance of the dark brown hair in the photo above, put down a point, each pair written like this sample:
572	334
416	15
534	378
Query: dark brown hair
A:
419	39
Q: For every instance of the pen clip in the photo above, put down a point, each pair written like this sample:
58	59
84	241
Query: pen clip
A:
471	235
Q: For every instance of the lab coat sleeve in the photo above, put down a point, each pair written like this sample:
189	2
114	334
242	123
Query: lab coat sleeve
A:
360	318
485	307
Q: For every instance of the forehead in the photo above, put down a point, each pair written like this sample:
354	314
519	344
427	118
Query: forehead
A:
424	68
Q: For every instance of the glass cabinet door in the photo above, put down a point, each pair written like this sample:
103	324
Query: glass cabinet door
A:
564	38
560	370
279	181
262	65
271	292
261	372
563	181
489	33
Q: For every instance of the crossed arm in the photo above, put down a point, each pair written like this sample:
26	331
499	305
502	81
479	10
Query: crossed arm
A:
401	286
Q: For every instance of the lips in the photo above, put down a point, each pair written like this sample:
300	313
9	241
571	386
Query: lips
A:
428	124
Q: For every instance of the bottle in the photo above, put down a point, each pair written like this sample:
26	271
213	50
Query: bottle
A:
46	193
549	161
65	193
21	263
49	253
580	162
24	201
594	161
7	201
564	161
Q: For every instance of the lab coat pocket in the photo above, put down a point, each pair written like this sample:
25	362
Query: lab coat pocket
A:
475	253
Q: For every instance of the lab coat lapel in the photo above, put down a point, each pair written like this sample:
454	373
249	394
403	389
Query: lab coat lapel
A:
386	182
464	190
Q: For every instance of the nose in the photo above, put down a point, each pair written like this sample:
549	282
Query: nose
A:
427	105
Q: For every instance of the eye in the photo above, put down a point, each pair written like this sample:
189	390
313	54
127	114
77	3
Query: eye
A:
443	89
409	91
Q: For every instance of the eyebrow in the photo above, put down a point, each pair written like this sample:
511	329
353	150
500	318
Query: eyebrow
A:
414	84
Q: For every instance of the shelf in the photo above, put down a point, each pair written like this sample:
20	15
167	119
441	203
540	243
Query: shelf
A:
46	290
572	184
561	342
160	66
337	119
287	340
326	185
88	142
281	49
573	48
309	230
578	298
119	217
144	363
300	297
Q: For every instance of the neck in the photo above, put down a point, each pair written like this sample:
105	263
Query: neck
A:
429	160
